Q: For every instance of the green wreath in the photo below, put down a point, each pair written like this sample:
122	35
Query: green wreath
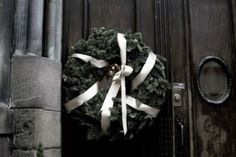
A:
78	76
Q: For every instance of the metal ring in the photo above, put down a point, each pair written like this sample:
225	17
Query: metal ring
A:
228	75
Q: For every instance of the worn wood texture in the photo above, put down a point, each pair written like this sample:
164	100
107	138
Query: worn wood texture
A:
212	34
75	21
118	14
179	62
200	28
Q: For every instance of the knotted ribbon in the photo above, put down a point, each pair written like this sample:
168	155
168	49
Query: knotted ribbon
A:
118	81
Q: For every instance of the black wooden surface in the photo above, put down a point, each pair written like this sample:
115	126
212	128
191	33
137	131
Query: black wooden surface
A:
212	33
200	28
180	72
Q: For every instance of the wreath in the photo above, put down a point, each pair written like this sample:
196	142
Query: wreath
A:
93	64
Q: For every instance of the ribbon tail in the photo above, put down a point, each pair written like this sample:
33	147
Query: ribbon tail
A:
99	63
105	120
122	44
82	98
107	104
146	69
132	102
123	104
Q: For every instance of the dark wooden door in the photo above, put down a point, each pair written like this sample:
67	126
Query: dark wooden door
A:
201	28
212	31
185	32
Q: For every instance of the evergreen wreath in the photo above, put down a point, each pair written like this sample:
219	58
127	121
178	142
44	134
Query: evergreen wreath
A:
78	76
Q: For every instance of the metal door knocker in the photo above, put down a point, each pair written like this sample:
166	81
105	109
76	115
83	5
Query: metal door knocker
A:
213	80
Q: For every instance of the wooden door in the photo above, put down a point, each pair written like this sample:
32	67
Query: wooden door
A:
148	17
212	31
199	29
185	32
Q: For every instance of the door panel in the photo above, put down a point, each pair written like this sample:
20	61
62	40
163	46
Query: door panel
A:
200	28
145	22
180	73
212	34
117	15
211	29
135	15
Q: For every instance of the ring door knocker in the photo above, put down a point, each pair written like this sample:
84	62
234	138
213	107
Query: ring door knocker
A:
213	80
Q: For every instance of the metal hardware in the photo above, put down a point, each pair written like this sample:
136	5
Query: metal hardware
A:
179	126
221	62
181	133
177	94
177	97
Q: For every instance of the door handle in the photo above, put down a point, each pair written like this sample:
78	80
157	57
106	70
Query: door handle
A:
181	126
180	132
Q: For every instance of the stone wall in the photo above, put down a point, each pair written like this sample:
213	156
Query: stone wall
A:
30	84
36	97
6	130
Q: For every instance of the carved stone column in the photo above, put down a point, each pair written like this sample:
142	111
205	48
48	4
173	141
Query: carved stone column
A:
20	26
35	37
28	27
54	30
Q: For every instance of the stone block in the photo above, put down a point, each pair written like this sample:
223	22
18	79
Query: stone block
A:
24	153
35	82
34	126
33	153
52	153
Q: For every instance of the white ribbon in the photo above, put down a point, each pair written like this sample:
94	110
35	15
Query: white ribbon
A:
99	63
81	99
112	93
146	69
118	81
122	44
132	102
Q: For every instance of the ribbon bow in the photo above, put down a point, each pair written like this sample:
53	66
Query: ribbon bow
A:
118	82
